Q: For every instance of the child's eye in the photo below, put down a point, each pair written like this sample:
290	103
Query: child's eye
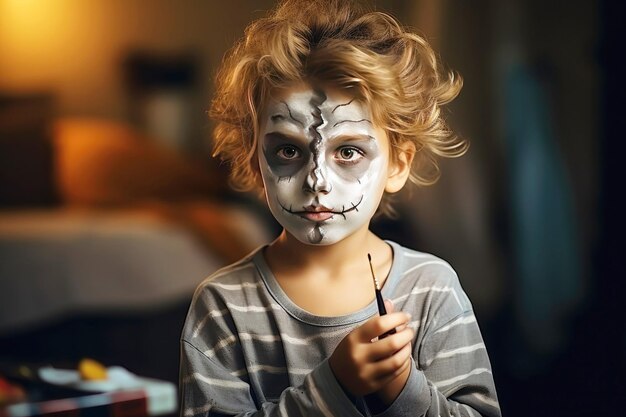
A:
348	155
288	152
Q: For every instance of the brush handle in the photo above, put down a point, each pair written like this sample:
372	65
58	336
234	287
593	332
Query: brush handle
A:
382	311
381	303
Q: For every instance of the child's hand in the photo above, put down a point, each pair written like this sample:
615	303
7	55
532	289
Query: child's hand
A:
391	390
364	367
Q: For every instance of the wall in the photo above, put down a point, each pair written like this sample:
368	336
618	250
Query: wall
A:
74	48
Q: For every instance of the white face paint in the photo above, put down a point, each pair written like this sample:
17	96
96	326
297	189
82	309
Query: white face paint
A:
323	163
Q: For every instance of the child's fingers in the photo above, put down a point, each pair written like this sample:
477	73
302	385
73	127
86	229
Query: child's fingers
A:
379	325
388	346
390	309
402	327
393	365
385	380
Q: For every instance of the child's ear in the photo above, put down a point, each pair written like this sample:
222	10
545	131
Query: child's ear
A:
400	169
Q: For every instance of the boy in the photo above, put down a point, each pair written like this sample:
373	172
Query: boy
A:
328	110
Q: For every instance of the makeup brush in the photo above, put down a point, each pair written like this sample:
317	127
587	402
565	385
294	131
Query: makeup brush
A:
379	297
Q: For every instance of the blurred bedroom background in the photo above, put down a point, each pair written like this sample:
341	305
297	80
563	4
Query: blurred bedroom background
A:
112	211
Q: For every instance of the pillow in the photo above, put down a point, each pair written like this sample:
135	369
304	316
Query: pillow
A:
101	162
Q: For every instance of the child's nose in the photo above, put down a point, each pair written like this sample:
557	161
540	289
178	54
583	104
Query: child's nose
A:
317	181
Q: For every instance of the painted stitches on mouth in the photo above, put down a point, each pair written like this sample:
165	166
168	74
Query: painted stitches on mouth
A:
315	213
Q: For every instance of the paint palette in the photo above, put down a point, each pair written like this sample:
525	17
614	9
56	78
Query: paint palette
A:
55	390
117	378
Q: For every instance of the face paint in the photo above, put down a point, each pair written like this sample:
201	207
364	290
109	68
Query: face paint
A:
323	163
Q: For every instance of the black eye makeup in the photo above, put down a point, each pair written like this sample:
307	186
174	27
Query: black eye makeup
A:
285	154
288	152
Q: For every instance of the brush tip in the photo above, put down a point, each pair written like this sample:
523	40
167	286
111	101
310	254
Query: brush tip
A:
369	257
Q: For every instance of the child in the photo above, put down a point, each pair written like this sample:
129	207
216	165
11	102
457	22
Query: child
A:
329	110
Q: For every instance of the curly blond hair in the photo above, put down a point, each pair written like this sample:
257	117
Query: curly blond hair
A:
335	41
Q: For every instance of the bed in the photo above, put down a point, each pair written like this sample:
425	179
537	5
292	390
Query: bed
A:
104	235
59	262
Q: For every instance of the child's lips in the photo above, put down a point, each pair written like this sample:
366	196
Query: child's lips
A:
318	216
317	213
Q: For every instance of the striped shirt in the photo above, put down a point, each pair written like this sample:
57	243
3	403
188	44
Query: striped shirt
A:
247	349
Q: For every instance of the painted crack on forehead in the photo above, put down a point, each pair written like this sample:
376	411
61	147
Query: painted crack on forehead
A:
291	116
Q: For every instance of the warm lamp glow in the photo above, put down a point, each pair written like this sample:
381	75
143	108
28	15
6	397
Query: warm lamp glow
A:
42	41
26	20
27	34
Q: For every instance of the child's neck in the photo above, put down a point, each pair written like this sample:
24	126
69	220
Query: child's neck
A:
288	254
316	277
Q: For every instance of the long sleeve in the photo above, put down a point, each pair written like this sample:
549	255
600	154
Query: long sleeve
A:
453	377
208	388
451	373
242	354
247	350
454	359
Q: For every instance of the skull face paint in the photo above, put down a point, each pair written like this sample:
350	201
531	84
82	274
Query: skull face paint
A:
323	163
